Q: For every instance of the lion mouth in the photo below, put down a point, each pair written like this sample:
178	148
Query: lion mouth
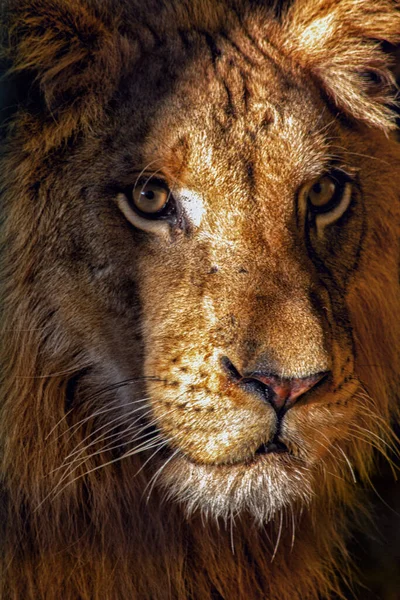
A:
272	447
275	446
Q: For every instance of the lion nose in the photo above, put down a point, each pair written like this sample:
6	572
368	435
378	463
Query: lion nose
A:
283	393
278	391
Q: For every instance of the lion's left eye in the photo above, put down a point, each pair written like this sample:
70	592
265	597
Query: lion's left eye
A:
328	197
327	192
322	194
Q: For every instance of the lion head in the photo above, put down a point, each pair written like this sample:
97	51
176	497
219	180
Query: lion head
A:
200	292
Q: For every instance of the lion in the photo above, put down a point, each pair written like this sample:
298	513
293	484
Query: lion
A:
200	295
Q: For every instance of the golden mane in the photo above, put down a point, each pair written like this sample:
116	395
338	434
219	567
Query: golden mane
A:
102	530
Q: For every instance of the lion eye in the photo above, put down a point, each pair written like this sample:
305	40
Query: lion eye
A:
322	193
149	205
150	198
328	198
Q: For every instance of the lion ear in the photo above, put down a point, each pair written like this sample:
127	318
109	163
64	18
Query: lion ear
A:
341	43
70	55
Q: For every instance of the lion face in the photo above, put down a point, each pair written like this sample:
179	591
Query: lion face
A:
230	288
241	220
214	235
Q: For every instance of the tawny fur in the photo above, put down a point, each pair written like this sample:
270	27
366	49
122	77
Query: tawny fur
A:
85	309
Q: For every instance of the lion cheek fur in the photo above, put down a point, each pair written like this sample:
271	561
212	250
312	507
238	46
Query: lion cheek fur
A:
129	461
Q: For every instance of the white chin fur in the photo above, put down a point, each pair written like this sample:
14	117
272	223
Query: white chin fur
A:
260	489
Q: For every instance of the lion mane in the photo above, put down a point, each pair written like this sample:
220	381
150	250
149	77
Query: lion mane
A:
101	325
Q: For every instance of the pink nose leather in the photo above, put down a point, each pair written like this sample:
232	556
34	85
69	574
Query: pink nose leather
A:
286	391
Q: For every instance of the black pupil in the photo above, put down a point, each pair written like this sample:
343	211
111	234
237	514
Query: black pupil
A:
317	188
149	194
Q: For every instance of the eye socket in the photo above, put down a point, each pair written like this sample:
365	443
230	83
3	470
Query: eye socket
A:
152	199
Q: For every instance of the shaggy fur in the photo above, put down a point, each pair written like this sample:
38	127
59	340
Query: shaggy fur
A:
127	454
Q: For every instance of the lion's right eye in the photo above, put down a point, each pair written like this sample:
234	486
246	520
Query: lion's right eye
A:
149	205
150	198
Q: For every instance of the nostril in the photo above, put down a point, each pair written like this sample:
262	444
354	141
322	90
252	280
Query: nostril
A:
230	369
280	392
283	393
254	386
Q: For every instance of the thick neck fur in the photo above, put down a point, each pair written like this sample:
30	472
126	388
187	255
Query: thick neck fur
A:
117	546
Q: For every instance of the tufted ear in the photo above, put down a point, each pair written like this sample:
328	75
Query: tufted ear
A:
65	52
341	43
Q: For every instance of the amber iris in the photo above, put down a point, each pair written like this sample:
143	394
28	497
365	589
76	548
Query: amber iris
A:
149	198
322	192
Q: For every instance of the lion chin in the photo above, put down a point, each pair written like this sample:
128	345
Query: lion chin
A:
260	488
200	295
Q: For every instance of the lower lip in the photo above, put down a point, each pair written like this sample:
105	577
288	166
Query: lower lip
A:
272	448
